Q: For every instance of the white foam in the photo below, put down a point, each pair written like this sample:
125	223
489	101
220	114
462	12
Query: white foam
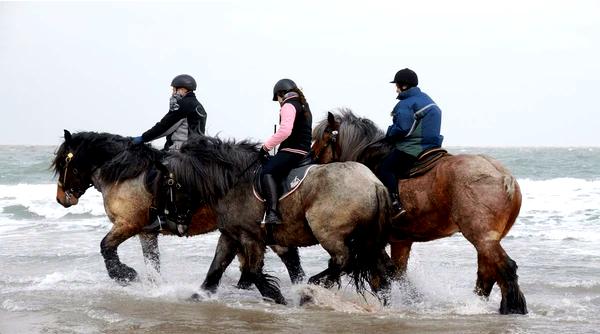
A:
41	200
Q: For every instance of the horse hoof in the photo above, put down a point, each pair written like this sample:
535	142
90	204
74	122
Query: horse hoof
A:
195	298
123	275
244	285
209	289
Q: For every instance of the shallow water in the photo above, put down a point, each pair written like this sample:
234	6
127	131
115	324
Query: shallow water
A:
53	280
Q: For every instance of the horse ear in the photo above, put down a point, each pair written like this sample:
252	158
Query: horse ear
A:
330	119
68	136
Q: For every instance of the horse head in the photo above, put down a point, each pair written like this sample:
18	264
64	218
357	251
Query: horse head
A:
73	170
325	147
177	199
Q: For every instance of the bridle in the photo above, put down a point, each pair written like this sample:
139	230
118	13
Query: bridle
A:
171	207
331	143
72	191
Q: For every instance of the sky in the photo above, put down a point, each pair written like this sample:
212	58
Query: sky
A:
504	73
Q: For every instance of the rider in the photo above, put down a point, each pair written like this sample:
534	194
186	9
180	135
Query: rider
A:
415	129
294	138
186	117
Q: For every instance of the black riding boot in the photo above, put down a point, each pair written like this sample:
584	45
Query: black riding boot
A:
269	188
397	210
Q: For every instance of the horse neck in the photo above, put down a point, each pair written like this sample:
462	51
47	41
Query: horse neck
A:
100	153
372	155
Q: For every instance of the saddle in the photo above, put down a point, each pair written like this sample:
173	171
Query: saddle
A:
289	184
426	161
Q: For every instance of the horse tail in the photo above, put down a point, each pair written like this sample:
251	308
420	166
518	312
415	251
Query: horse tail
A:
367	243
512	189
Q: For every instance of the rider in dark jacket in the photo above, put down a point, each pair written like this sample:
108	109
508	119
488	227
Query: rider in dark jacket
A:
416	128
294	140
186	117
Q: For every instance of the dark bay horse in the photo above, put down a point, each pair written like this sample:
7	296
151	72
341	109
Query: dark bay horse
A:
118	170
343	207
471	194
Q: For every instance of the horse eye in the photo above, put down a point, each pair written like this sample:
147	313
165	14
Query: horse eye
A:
75	171
178	186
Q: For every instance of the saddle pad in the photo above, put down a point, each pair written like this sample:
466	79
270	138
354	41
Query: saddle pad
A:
427	160
289	184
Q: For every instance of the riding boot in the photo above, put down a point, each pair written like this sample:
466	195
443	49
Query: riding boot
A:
272	218
397	210
270	191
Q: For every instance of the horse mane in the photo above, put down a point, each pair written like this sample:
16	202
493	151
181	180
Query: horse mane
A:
355	133
119	158
130	163
88	146
209	167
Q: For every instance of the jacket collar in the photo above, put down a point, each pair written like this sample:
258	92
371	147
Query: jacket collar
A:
408	93
288	96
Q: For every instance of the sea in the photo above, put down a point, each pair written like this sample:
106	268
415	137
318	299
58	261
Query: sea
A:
53	279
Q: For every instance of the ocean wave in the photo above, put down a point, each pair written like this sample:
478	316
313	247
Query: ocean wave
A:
38	201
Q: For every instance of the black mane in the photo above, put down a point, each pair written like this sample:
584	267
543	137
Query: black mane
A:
209	167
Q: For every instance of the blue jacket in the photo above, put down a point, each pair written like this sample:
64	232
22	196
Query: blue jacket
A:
426	133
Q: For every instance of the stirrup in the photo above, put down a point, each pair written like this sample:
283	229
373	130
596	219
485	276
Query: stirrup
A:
276	220
398	213
155	227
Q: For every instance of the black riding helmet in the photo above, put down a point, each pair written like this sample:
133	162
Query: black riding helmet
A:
283	86
185	81
406	77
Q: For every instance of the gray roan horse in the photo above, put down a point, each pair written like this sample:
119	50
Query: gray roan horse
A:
118	170
473	194
343	207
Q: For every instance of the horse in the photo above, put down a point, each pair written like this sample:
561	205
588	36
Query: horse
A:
343	207
119	171
471	194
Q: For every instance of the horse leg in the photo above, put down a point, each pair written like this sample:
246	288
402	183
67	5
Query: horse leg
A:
267	285
224	254
108	248
328	277
291	259
379	279
149	242
400	250
496	265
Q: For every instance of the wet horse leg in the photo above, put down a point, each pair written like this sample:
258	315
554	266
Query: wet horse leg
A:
227	247
400	250
291	259
254	252
496	265
328	277
149	242
108	248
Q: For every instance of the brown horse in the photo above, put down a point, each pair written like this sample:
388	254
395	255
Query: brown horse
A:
118	170
471	194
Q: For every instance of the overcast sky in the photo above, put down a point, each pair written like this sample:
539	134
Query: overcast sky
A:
505	73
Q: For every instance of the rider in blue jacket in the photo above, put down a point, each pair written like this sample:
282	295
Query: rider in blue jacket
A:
416	128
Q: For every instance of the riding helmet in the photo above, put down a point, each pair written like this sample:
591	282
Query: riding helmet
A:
406	77
283	86
185	81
